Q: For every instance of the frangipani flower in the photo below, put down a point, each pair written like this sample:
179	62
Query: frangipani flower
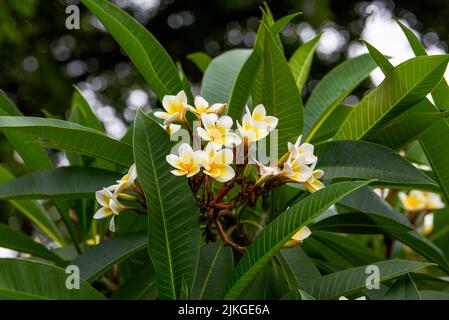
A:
359	298
298	237
110	206
217	130
433	201
252	131
216	162
175	107
187	162
297	169
202	106
414	201
127	180
313	183
305	150
171	128
260	115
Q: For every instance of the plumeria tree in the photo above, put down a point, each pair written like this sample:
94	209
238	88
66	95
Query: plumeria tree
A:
242	191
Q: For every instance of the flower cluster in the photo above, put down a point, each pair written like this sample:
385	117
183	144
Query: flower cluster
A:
216	157
108	198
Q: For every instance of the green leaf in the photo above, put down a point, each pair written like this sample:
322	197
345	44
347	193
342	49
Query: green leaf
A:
332	89
402	88
301	62
434	295
366	160
302	266
200	59
350	248
26	146
72	137
404	129
403	289
82	114
360	223
147	54
280	24
281	97
28	280
366	200
221	74
331	124
434	142
33	211
99	259
280	230
380	59
16	240
173	217
64	182
441	92
349	281
251	71
141	285
214	268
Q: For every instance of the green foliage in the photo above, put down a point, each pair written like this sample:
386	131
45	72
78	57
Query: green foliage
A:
197	237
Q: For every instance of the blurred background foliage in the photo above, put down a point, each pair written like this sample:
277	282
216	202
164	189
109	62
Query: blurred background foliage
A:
41	60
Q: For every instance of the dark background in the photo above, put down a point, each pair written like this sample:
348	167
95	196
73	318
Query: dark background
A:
40	60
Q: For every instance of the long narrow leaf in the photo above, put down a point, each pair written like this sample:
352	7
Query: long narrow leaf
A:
173	217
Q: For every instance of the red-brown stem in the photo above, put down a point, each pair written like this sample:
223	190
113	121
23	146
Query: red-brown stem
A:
225	238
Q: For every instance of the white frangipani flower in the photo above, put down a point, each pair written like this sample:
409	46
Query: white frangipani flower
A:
187	162
175	108
259	114
110	206
305	150
298	237
127	180
297	169
252	131
313	183
217	130
171	128
202	106
414	201
216	162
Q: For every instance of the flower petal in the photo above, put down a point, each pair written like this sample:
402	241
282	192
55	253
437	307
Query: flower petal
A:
209	121
201	104
271	122
161	115
302	234
231	139
112	225
174	161
203	134
179	172
259	113
102	197
226	173
102	213
224	124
